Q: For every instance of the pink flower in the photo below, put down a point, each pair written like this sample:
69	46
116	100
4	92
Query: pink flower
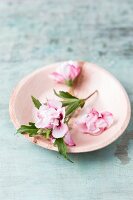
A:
66	73
51	116
60	130
68	139
95	123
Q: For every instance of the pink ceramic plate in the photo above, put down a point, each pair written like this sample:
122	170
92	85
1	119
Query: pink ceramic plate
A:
112	97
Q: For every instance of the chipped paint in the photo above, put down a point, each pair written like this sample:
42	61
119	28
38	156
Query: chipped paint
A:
122	148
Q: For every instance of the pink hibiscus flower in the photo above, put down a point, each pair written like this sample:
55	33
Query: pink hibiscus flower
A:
66	73
94	122
51	116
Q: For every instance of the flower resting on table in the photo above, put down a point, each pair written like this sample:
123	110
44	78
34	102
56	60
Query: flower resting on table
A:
66	73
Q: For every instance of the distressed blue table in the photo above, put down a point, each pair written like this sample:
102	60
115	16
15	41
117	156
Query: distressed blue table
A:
35	33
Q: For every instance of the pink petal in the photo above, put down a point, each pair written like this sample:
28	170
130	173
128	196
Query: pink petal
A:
54	103
95	112
41	123
81	123
92	129
91	118
52	140
55	123
66	72
60	131
83	127
101	123
42	108
96	132
108	117
74	72
62	111
68	139
57	77
69	70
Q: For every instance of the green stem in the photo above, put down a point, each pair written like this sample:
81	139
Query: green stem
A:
96	91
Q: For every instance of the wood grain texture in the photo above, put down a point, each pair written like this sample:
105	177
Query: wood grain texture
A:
35	33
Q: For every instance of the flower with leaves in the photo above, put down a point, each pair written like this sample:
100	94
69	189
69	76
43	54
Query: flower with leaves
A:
51	116
52	120
66	73
50	123
72	103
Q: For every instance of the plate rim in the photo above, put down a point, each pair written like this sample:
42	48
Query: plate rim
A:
70	149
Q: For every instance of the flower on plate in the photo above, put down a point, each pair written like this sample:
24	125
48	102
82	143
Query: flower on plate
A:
66	73
51	116
68	139
52	120
94	122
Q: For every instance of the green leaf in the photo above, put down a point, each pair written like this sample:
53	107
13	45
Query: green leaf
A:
31	129
36	102
31	124
68	102
46	133
62	148
72	107
65	103
32	134
65	95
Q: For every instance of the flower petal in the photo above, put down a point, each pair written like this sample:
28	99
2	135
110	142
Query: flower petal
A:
57	77
108	117
74	72
52	139
83	127
49	115
66	72
81	123
42	123
91	128
54	103
101	123
96	132
68	139
60	131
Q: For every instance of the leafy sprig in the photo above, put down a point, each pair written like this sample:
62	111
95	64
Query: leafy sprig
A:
31	129
62	148
69	101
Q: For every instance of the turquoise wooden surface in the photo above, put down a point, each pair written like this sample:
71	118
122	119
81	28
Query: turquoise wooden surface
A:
35	33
